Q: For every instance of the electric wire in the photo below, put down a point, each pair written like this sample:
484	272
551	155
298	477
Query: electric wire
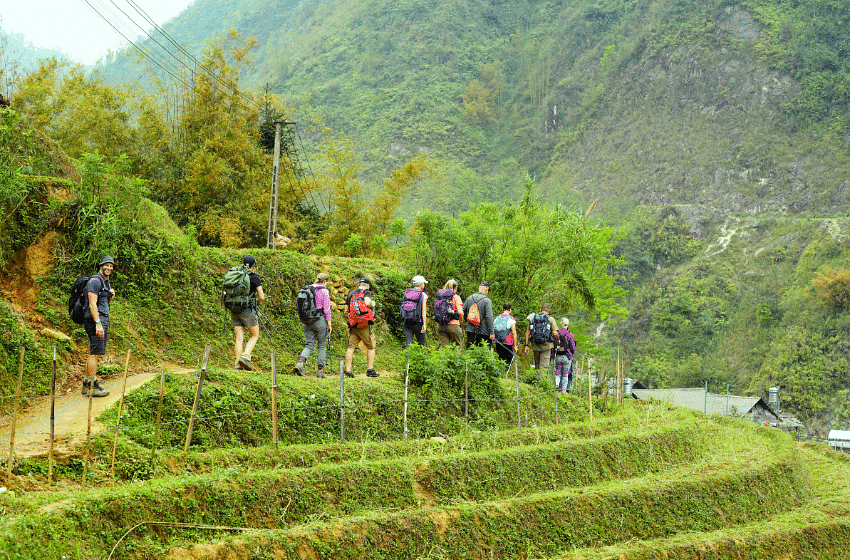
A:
241	98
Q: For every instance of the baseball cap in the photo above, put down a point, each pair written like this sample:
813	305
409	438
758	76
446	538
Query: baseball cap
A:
485	284
249	260
365	281
419	280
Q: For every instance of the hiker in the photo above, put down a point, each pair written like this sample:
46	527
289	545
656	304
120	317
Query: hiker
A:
564	358
448	314
315	322
504	333
413	312
542	333
245	317
361	317
96	323
478	310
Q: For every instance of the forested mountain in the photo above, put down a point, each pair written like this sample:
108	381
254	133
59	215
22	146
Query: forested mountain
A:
714	133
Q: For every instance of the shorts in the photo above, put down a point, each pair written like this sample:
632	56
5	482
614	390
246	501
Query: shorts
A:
97	345
364	334
245	318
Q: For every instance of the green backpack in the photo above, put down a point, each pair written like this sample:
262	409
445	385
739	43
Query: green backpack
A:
236	289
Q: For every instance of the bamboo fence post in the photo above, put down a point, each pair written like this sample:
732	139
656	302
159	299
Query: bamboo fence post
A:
118	422
88	430
466	395
52	419
589	389
197	398
406	386
516	383
342	400
158	415
15	415
274	398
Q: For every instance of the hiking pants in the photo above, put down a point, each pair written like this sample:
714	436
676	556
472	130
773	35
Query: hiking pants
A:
563	373
315	331
413	333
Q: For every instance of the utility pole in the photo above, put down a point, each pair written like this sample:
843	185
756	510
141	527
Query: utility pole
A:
273	204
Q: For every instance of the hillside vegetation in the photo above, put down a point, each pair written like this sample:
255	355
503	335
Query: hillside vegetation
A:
644	481
712	133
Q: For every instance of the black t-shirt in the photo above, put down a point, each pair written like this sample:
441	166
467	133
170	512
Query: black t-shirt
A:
255	282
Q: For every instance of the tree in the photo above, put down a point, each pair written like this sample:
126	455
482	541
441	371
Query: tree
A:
529	252
833	287
77	110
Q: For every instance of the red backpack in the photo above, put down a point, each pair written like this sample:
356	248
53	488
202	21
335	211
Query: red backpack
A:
359	314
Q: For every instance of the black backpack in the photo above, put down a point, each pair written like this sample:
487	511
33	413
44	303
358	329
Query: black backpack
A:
305	304
541	331
444	306
78	300
236	289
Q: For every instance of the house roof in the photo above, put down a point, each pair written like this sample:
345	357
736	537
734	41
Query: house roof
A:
703	401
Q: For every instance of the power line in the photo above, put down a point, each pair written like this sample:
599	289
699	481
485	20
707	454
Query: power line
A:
146	55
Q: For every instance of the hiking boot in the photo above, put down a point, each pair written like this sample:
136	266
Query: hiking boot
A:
299	369
372	373
246	364
321	374
98	390
349	374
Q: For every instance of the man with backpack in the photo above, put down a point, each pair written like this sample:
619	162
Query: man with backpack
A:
98	294
478	310
243	290
314	310
361	317
414	315
542	333
448	314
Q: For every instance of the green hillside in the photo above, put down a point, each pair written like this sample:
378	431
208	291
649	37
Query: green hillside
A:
644	481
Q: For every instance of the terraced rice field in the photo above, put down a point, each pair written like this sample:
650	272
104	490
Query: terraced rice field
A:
650	482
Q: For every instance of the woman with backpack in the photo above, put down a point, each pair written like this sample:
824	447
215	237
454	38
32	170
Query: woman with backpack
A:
414	314
564	357
448	314
504	327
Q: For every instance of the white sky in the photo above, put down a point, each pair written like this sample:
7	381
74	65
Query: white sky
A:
75	28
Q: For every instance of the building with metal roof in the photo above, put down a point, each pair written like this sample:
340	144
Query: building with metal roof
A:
751	408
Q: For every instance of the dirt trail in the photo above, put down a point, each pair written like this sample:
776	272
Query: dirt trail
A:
32	427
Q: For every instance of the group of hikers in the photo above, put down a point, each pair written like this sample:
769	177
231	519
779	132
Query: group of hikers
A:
543	339
243	291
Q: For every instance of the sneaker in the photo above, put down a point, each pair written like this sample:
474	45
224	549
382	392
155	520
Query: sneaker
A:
321	374
299	369
372	373
246	363
97	391
349	374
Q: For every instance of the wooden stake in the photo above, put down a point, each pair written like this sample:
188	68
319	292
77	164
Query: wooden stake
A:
15	416
466	395
201	376
52	419
118	422
274	398
158	415
88	430
516	382
589	389
406	385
